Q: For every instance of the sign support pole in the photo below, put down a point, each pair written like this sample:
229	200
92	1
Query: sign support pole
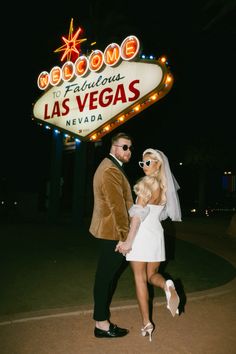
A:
55	181
79	189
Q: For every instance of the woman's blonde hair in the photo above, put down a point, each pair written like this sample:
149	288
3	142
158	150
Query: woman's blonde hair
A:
147	185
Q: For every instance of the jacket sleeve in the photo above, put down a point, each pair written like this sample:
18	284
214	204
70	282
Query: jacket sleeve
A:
117	192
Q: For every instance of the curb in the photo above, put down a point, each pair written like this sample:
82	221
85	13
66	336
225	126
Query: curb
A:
121	305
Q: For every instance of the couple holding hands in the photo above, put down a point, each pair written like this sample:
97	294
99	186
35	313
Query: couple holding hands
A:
128	230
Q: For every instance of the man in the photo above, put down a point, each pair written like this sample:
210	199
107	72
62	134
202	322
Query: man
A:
110	224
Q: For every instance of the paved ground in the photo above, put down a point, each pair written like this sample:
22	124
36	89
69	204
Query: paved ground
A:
207	325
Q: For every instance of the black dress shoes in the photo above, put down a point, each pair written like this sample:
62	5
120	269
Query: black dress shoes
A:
113	332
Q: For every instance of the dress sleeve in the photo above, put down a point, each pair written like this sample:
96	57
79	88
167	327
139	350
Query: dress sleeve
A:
138	210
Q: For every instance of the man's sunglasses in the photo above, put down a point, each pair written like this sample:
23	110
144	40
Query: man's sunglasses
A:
145	163
126	147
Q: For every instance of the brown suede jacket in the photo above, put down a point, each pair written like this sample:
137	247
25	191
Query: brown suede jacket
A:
112	200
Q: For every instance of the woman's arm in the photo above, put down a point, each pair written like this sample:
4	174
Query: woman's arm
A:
138	212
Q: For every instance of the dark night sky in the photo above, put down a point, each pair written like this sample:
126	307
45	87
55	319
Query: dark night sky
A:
199	42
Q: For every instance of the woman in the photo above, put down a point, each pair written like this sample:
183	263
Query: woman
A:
157	199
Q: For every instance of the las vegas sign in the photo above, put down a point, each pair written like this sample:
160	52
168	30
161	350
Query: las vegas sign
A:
93	95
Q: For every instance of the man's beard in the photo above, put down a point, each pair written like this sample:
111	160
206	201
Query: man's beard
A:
122	159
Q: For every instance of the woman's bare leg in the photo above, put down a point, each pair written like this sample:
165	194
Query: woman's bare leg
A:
158	280
140	277
154	277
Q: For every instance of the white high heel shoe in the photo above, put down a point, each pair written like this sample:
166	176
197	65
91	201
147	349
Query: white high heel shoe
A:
147	330
172	298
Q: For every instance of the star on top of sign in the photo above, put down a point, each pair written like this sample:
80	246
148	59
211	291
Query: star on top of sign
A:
71	47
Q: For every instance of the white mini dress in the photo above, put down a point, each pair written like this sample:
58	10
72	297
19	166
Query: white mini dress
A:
149	244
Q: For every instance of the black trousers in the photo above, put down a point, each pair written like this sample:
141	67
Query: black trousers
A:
110	266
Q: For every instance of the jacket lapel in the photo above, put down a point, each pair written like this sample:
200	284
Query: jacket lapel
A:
117	164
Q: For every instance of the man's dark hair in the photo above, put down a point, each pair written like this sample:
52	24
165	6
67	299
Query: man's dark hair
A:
119	136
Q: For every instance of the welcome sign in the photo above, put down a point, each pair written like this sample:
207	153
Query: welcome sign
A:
92	96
